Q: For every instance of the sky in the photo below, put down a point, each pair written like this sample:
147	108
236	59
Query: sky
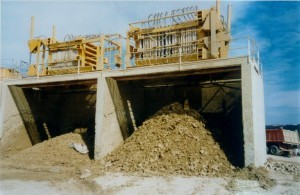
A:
274	25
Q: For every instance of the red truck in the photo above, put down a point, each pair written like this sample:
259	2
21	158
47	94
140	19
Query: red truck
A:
282	142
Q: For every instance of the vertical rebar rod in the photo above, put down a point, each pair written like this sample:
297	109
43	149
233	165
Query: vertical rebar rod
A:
53	34
32	28
218	8
229	18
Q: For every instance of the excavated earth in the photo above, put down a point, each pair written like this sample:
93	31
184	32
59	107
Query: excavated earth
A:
172	142
53	152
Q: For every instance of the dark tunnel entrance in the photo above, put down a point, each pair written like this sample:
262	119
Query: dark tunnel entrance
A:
215	95
52	109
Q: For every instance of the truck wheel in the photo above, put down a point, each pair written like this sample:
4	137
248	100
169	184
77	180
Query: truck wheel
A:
267	150
274	150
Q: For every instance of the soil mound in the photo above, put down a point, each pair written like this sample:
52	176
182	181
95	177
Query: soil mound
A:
53	152
173	141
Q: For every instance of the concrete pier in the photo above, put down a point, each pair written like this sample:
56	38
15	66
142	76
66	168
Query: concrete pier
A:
230	89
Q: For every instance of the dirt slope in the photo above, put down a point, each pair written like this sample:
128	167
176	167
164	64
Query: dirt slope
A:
53	152
173	141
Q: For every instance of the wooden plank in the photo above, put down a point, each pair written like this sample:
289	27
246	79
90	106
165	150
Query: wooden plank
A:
91	60
87	53
90	50
91	46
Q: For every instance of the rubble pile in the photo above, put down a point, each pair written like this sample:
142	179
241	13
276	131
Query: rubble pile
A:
53	152
173	141
285	168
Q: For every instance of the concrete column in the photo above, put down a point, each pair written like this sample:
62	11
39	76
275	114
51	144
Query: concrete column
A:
108	133
253	116
259	126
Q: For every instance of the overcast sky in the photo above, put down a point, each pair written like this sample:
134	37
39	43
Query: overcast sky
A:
274	25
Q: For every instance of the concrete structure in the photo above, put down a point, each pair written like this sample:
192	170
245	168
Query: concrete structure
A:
229	92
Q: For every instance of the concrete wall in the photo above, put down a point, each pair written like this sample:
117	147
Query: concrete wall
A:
253	115
13	134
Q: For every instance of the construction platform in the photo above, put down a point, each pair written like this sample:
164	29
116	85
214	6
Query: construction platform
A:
111	103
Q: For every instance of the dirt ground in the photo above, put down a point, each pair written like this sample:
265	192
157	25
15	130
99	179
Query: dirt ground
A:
20	181
168	154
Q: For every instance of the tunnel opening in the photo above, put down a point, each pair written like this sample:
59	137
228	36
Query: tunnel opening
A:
216	95
53	109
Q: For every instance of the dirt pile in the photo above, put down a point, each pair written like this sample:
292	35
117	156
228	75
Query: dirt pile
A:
53	152
173	141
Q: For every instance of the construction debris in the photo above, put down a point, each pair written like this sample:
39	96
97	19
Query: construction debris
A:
285	168
81	148
53	152
173	141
